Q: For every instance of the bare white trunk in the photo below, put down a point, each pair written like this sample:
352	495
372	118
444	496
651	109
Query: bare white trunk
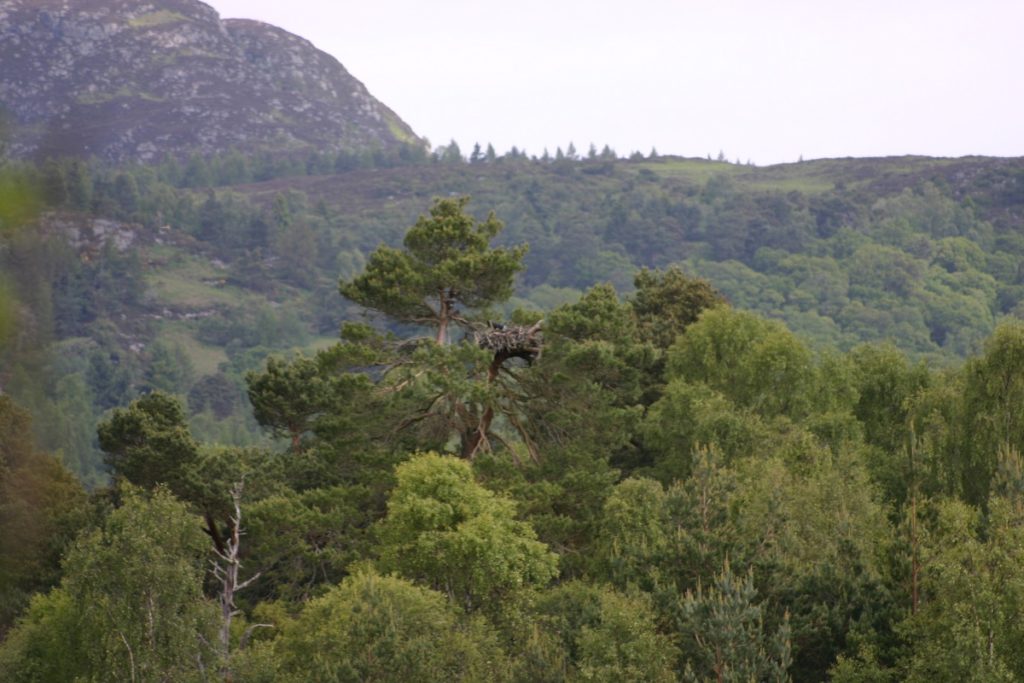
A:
131	656
226	570
443	317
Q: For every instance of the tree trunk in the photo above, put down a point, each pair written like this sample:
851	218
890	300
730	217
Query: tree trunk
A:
443	317
471	441
226	570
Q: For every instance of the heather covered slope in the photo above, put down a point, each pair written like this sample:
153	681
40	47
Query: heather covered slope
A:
129	81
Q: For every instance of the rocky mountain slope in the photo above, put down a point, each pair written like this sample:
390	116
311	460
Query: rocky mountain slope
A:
124	80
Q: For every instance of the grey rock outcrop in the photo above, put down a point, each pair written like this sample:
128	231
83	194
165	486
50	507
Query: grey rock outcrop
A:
124	80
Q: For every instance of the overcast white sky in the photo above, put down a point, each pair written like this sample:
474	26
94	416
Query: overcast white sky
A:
764	80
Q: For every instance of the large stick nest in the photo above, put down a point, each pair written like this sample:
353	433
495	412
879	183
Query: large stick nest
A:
511	341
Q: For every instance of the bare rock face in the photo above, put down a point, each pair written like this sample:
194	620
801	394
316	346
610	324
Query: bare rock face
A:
131	80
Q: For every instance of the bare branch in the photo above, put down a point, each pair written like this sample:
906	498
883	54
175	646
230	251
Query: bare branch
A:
530	446
247	582
248	633
226	570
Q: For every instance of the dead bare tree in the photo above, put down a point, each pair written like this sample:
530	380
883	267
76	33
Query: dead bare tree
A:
226	569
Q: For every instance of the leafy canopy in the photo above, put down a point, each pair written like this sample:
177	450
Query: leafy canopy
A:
446	530
447	261
383	628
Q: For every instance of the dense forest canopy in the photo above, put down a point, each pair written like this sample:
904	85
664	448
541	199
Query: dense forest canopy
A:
543	447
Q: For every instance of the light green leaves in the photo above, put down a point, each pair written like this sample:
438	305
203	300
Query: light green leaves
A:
130	606
447	531
383	628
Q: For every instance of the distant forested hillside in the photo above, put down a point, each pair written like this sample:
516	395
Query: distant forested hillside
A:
184	275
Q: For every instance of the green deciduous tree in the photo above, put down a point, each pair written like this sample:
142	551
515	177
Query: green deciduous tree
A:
592	633
689	416
756	363
993	394
383	628
667	302
635	535
447	531
969	626
130	606
42	506
823	564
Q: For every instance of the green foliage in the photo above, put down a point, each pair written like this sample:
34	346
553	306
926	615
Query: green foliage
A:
214	392
42	506
20	199
992	395
594	373
756	363
20	202
789	236
725	637
595	634
447	531
597	316
44	645
561	496
7	311
968	627
635	533
886	384
289	397
300	541
149	442
109	379
666	303
169	370
207	482
454	385
689	416
130	605
447	261
829	537
862	502
383	628
810	526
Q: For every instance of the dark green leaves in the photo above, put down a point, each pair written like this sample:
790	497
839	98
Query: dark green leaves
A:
447	261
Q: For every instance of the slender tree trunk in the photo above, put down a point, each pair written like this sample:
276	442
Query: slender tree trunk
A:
214	533
471	441
443	317
226	570
915	562
131	656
